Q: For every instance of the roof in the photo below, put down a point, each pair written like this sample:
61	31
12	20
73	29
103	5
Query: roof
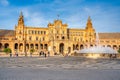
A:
109	35
7	32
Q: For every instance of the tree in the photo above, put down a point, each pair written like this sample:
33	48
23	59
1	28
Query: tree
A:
119	51
31	51
7	50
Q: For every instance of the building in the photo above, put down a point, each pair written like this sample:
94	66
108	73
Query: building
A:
56	38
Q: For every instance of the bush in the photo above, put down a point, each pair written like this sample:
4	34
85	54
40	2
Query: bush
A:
7	50
32	50
119	51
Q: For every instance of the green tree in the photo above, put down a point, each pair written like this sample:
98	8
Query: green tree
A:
119	51
32	51
7	50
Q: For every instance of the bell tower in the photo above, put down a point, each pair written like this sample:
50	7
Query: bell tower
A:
20	27
90	32
89	23
21	21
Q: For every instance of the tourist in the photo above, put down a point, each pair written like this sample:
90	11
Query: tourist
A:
16	54
48	53
40	53
110	56
45	54
10	54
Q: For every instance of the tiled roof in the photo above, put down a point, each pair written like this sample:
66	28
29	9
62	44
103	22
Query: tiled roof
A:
7	32
109	35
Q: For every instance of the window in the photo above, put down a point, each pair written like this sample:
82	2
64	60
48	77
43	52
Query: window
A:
30	38
36	38
41	32
32	32
63	37
57	37
35	32
44	32
43	38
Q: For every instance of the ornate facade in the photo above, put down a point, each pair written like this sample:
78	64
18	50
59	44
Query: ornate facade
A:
56	38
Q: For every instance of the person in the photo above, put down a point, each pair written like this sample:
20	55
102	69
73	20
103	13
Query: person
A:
45	54
30	54
40	53
110	56
16	54
10	54
48	53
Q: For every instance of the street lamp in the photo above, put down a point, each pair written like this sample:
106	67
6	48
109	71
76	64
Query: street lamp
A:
25	34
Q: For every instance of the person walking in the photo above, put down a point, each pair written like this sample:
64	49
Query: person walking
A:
48	53
45	54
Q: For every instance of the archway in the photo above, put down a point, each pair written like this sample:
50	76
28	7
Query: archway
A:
27	47
114	46
81	47
41	46
69	49
61	48
31	46
16	46
6	45
36	46
91	45
77	47
45	46
73	47
0	45
21	47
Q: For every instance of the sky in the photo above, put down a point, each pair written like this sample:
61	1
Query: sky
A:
105	14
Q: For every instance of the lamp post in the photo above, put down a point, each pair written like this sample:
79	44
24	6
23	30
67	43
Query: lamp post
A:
25	43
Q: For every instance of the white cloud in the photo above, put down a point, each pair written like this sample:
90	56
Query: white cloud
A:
34	19
4	2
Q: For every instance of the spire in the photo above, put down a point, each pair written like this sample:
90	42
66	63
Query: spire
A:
21	19
21	15
89	23
89	19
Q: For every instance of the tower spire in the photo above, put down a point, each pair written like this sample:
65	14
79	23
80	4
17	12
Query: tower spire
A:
89	19
89	23
21	19
21	15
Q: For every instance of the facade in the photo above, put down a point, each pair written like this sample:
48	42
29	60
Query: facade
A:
56	38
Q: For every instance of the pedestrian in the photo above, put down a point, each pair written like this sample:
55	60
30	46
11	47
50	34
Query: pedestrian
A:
48	53
40	53
16	54
45	54
110	56
10	54
30	54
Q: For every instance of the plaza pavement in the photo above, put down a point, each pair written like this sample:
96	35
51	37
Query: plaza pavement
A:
58	68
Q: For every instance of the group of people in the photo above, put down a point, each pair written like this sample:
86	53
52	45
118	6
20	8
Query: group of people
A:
41	53
16	54
113	56
44	53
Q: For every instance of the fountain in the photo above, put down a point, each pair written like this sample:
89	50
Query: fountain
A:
97	51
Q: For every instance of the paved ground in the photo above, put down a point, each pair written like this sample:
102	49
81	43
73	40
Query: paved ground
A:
59	68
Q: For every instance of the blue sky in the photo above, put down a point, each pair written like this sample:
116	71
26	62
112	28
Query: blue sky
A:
105	14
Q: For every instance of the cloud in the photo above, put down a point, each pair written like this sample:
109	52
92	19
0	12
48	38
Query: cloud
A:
35	19
4	2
